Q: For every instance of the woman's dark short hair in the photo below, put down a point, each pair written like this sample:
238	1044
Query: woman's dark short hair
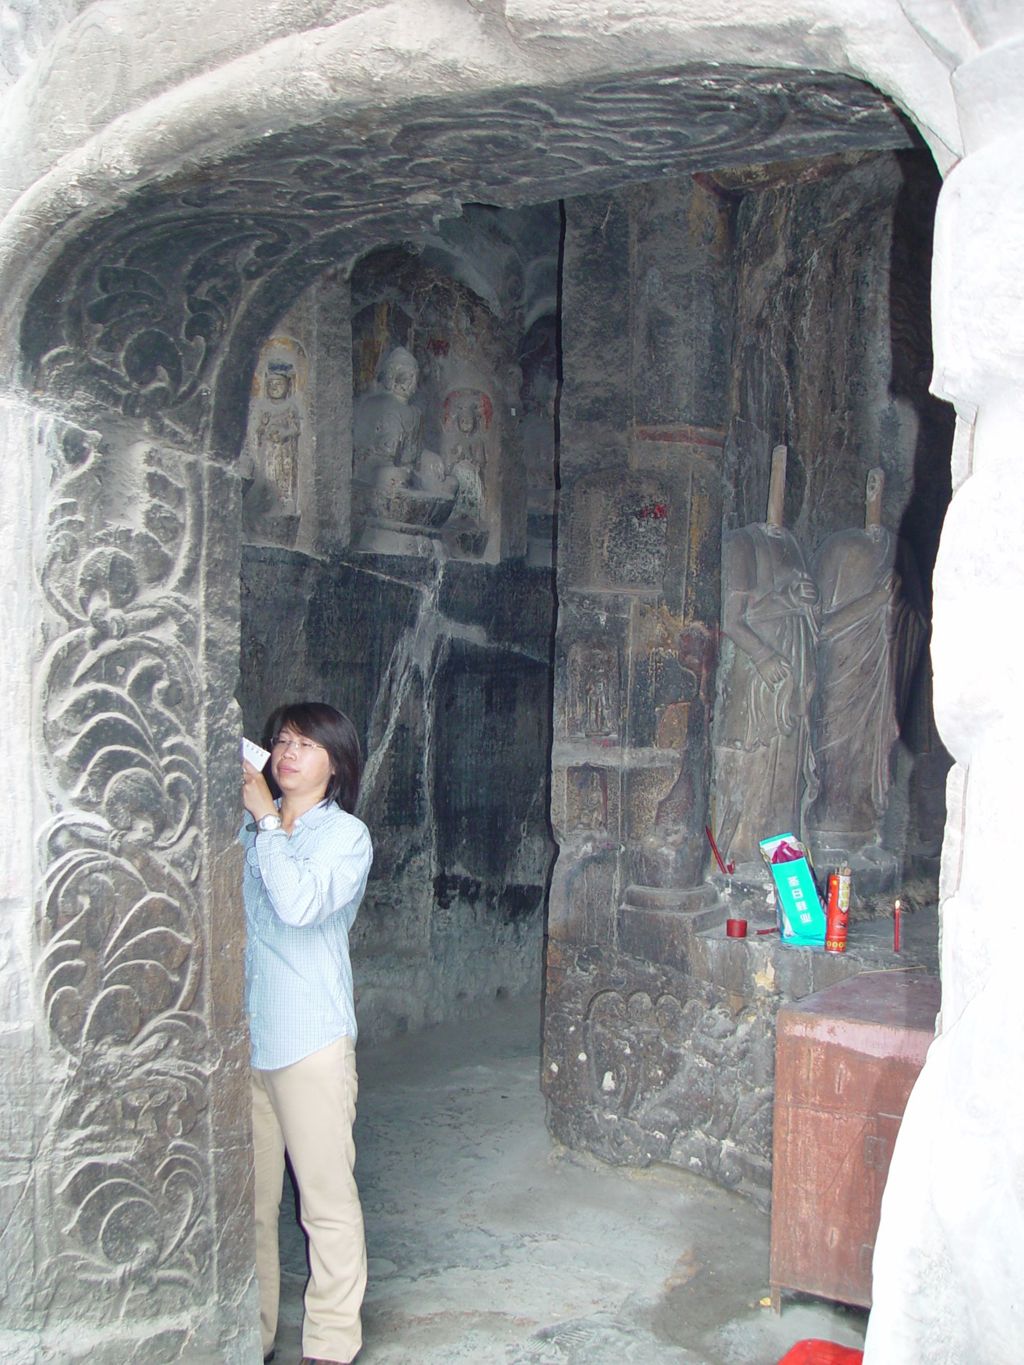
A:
333	729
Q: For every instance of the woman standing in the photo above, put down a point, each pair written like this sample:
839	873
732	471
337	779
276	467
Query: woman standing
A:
306	862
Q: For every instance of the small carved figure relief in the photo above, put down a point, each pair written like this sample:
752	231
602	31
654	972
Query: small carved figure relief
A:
675	850
770	612
872	632
272	461
466	420
588	799
278	429
593	691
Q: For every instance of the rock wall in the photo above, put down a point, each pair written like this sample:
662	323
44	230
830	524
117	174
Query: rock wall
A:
387	571
444	668
833	358
952	1228
703	323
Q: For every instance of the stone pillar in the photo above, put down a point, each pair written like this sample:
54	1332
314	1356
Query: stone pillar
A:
646	363
946	1269
646	318
124	1173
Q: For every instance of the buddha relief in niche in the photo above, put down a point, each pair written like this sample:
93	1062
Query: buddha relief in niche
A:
400	485
872	632
765	768
277	433
593	691
432	408
397	483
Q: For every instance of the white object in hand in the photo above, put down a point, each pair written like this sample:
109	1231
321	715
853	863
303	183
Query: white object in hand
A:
256	756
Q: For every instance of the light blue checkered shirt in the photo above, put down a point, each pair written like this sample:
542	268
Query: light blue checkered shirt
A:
301	894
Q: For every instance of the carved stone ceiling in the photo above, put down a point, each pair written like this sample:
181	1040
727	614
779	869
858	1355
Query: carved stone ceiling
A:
149	306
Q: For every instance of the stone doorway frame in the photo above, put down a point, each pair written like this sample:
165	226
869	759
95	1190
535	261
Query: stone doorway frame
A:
133	629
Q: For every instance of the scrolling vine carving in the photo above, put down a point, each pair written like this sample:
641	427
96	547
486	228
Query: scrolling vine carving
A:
135	313
121	966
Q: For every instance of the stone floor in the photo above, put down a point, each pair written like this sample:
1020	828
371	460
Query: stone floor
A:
487	1243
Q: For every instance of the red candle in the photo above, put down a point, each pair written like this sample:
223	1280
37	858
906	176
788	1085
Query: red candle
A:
896	927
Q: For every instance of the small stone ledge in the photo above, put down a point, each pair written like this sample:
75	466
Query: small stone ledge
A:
659	925
762	964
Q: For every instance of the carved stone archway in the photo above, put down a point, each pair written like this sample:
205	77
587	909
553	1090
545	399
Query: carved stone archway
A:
136	298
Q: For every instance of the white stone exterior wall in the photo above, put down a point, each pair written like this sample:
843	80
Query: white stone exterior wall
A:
946	1270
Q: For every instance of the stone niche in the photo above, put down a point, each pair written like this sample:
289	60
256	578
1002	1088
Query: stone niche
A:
277	446
435	466
423	606
294	464
706	323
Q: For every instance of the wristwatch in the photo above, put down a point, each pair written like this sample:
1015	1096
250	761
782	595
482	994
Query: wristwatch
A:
268	822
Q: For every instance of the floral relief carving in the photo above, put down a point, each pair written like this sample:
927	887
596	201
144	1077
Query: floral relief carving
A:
120	963
632	1047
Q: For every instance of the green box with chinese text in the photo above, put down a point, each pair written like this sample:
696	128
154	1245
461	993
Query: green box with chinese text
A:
801	913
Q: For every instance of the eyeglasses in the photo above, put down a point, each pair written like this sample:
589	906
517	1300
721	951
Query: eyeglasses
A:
297	742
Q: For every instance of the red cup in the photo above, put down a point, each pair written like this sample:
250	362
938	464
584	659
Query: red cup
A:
736	928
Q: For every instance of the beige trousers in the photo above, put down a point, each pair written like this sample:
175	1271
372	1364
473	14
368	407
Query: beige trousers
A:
308	1109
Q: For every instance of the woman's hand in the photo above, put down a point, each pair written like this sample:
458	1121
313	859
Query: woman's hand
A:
256	796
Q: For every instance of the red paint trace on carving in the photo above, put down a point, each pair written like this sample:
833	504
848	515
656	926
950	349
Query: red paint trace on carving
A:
655	511
683	435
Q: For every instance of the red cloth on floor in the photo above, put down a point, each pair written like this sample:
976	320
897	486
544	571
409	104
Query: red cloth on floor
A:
813	1352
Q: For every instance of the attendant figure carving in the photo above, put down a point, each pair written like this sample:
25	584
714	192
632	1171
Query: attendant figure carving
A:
873	629
591	799
593	691
765	767
466	420
277	435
